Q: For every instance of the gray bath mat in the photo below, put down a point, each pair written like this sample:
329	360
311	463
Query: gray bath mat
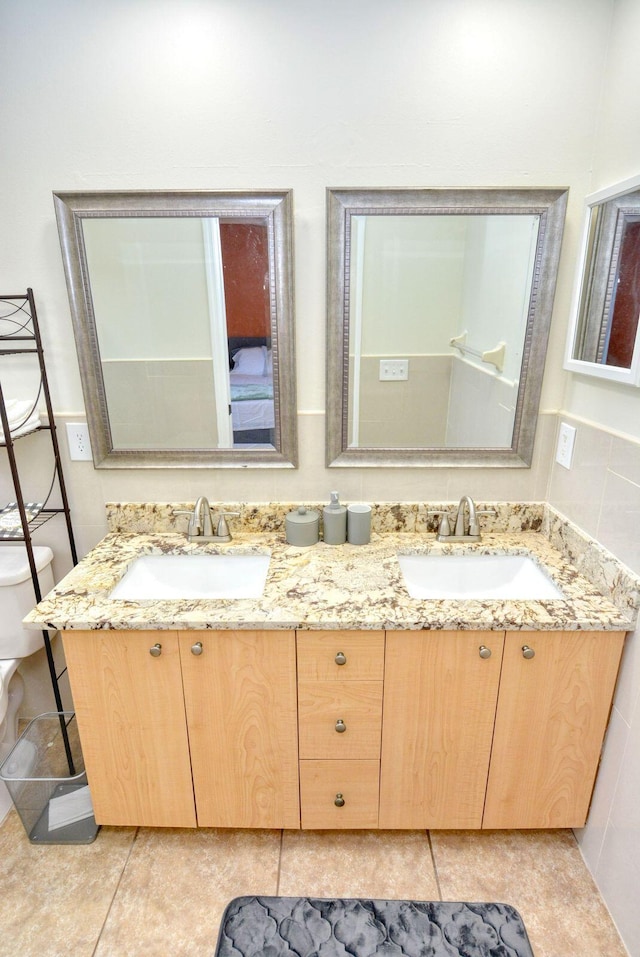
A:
314	927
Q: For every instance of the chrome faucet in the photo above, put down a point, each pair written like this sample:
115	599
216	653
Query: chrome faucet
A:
462	531
201	524
471	531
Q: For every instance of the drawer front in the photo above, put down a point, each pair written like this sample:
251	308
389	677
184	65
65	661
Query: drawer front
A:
322	783
339	719
340	655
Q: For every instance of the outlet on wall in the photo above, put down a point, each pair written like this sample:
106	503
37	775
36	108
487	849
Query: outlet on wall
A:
78	439
566	439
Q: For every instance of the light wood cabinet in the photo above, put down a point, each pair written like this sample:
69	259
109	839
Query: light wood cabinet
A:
553	707
165	716
339	795
240	700
127	694
408	729
440	697
340	682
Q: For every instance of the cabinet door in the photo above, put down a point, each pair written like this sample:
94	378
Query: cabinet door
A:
438	714
130	713
552	714
240	699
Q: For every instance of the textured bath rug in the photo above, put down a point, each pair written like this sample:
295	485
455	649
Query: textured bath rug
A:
314	927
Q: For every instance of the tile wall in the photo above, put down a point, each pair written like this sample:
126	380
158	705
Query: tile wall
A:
601	494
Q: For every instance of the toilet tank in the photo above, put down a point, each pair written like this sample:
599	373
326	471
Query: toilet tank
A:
17	597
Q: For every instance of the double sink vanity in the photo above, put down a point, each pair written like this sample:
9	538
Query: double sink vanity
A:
407	683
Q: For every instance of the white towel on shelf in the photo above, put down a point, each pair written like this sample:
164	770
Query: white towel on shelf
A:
22	417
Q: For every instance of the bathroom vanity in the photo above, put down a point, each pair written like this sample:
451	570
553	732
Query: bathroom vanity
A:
335	700
399	736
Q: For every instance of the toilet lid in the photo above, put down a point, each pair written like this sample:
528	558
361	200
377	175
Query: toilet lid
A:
14	563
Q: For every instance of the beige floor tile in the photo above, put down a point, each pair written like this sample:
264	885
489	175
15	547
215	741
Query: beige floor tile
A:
373	864
54	899
542	874
177	884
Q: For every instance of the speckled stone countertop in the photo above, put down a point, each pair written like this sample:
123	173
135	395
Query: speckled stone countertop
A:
345	586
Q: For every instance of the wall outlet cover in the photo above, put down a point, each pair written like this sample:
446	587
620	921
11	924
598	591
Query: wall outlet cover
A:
566	440
79	444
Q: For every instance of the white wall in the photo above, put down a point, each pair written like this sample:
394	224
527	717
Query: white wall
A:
144	94
616	157
154	94
602	494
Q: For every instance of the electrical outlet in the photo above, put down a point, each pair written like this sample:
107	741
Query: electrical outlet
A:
396	369
566	439
78	439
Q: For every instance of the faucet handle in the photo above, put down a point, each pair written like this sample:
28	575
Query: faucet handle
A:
444	528
184	511
222	529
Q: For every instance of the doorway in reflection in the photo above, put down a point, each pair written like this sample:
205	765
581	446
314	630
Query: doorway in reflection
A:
450	295
182	313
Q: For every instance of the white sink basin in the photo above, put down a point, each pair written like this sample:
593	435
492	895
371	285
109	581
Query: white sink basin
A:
475	576
193	576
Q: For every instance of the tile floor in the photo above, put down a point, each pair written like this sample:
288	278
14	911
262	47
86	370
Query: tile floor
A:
161	893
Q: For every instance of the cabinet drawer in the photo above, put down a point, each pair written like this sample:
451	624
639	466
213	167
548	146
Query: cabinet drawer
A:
356	781
320	654
339	719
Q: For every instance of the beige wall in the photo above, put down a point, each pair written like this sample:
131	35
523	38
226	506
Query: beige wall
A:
289	95
125	94
602	494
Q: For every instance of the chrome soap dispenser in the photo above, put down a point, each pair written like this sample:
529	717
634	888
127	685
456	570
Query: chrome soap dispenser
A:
334	521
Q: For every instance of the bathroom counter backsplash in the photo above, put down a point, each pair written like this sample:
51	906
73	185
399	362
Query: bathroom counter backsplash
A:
346	586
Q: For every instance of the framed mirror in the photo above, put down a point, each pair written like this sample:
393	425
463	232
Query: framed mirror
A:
182	309
439	306
604	337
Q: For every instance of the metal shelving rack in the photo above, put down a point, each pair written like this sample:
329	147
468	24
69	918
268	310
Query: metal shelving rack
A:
20	335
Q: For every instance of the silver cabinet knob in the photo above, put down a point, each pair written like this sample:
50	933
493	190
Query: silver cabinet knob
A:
484	652
156	650
339	800
197	648
528	652
341	658
340	726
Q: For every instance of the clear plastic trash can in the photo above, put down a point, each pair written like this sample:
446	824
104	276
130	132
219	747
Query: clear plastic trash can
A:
45	776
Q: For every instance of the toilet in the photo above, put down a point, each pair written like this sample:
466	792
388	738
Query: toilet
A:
17	598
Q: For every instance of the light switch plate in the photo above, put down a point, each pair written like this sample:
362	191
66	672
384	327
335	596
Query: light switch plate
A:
393	369
566	439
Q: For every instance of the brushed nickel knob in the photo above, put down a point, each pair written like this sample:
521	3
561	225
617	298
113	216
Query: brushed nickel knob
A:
156	650
340	726
341	658
339	801
528	652
197	648
484	652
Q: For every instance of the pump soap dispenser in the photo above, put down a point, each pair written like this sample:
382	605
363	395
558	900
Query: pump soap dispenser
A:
334	521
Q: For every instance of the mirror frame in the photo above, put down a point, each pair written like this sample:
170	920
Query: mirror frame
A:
273	206
589	277
342	204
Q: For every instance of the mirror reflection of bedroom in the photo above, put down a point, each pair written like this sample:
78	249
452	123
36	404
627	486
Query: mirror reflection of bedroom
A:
183	317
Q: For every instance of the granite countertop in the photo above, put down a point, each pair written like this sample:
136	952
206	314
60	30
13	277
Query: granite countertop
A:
324	587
